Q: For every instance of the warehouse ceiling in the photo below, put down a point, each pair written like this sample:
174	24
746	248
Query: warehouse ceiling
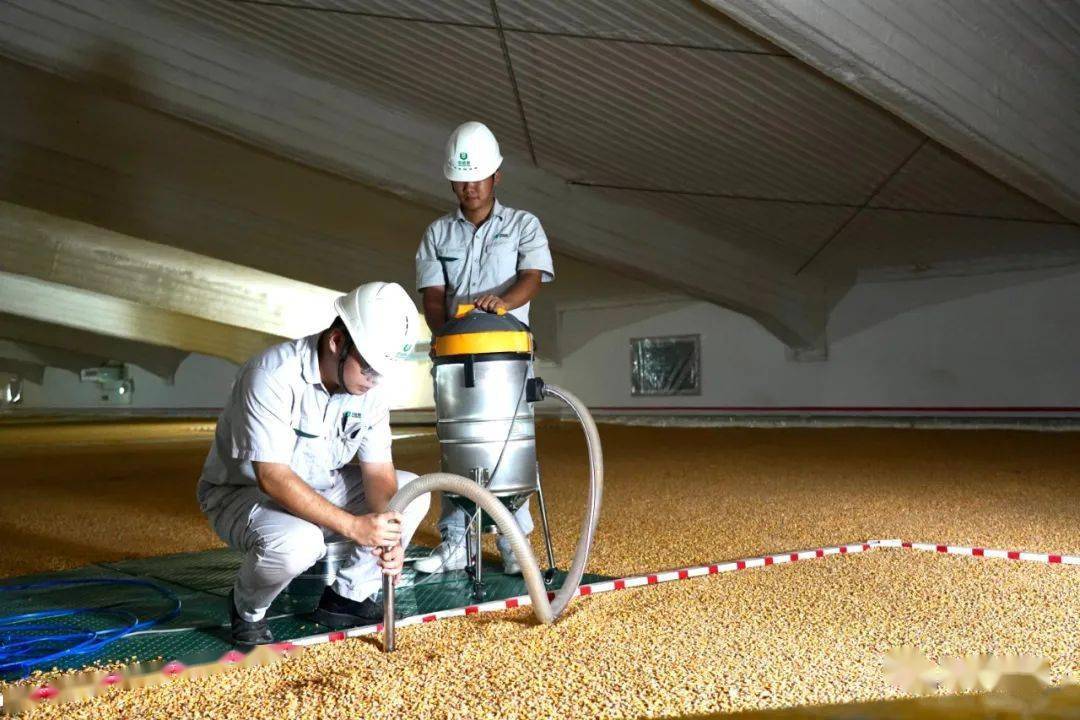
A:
995	81
667	148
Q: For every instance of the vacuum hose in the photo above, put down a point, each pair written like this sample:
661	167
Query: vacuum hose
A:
547	612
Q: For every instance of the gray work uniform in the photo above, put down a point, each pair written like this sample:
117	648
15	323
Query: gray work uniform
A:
471	262
280	412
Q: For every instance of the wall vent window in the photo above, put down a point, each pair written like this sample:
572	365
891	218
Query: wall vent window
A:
665	365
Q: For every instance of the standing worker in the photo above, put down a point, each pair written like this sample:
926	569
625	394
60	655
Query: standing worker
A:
487	255
276	482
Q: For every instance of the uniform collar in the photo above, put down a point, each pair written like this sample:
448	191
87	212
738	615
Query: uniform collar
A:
309	359
496	212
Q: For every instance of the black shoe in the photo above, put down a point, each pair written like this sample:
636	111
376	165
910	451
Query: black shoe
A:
248	634
337	612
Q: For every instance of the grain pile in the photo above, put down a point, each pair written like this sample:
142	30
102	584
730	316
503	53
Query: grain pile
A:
694	496
787	635
80	493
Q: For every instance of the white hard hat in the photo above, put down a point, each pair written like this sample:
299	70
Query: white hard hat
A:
382	322
472	153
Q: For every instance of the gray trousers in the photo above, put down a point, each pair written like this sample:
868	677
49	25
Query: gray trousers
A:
278	546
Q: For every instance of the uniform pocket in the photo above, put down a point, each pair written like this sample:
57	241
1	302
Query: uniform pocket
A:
500	264
348	441
452	260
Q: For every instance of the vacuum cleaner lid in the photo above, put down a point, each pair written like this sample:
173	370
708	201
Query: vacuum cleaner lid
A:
475	332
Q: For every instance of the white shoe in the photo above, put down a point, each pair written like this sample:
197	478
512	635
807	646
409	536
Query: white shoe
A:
510	564
448	556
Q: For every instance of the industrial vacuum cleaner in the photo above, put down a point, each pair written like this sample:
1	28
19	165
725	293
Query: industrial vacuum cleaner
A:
484	392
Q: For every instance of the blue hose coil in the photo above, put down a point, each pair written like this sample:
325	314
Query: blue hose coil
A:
25	644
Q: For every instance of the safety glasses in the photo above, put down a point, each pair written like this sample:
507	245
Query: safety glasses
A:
365	368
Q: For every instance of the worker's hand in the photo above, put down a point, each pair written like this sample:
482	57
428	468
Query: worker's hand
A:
490	303
391	559
377	529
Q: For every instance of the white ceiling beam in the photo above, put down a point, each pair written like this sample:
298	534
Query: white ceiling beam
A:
116	317
157	360
59	250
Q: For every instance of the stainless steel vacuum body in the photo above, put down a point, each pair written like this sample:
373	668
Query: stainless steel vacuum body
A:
484	416
484	421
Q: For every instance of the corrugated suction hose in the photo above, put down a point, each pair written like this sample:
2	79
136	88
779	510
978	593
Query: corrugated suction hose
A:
547	612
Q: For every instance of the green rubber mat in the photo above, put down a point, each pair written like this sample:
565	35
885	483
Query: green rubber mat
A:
201	581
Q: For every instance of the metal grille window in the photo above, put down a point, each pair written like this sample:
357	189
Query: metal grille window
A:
665	365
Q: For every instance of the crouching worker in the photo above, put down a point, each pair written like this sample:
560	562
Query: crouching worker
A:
277	482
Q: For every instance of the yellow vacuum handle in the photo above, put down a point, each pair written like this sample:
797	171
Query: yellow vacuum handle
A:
465	309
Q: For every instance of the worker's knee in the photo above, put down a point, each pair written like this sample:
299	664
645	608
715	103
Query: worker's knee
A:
294	549
419	507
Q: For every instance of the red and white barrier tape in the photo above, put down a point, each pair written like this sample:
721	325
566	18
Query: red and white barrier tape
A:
45	692
1046	558
698	571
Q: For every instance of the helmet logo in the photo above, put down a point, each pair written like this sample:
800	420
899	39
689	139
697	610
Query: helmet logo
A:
407	346
471	151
